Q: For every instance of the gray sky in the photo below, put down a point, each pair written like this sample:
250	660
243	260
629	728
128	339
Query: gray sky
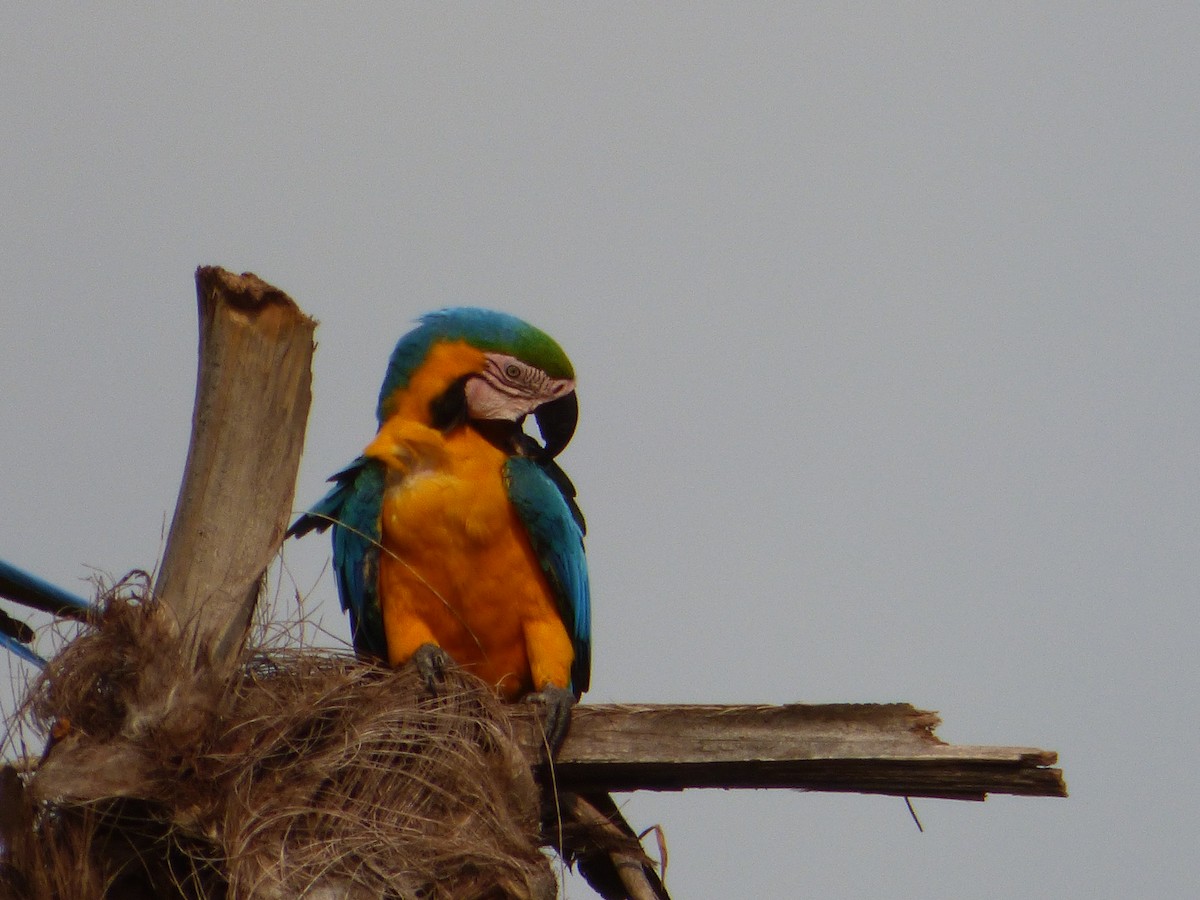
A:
886	330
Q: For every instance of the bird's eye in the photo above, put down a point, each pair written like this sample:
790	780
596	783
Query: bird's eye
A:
512	370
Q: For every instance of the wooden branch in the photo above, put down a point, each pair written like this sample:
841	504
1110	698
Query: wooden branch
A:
862	748
76	771
252	399
629	865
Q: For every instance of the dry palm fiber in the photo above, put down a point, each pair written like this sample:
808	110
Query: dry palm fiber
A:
309	773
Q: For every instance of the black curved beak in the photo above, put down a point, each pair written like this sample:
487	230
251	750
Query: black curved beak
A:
556	421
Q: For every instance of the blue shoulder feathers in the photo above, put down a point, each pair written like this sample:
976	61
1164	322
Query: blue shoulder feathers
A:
544	500
353	507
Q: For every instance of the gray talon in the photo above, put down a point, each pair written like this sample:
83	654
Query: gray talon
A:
558	702
431	662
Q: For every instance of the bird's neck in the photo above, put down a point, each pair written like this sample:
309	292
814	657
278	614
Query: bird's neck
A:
445	364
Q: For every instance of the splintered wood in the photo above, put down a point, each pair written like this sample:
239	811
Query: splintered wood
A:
252	398
851	747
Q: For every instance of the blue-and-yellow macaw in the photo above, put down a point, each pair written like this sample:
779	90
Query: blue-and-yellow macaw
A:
455	534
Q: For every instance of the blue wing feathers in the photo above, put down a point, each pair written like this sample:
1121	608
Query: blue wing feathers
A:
353	508
545	504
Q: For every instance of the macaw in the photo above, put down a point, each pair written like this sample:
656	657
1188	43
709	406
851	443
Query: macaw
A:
25	588
455	534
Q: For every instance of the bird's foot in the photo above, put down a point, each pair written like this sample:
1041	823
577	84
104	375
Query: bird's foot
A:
558	702
431	662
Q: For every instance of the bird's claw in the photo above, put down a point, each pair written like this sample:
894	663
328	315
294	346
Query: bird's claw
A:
558	702
431	662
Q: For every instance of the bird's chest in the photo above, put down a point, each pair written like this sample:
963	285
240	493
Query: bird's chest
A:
457	567
445	510
459	507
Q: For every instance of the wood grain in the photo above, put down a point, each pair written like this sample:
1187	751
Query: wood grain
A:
864	748
253	391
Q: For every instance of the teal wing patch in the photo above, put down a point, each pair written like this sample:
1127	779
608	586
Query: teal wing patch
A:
353	508
545	503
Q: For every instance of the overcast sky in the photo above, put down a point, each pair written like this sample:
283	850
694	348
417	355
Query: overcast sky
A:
886	331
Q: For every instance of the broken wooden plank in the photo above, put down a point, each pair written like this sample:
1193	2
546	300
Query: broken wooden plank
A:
855	747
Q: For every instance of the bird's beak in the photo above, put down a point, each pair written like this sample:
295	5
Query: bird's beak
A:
556	422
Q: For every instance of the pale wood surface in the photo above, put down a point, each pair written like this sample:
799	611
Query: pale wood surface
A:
863	748
252	399
856	748
629	866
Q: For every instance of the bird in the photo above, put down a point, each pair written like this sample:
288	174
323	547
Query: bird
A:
457	535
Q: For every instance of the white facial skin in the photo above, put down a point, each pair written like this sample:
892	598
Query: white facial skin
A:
510	389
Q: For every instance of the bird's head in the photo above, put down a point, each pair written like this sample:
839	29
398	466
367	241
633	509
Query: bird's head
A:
478	365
